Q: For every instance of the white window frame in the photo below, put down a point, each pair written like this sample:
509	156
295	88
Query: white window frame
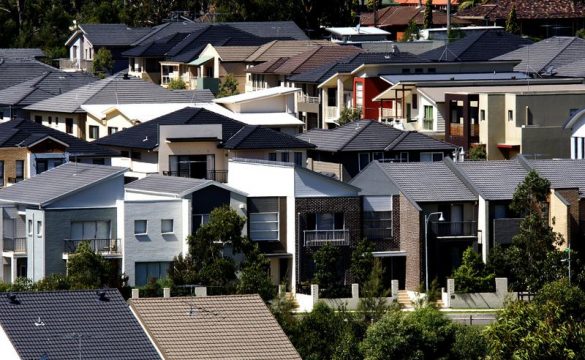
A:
172	221
277	222
145	227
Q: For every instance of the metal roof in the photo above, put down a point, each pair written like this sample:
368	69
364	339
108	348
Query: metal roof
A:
257	95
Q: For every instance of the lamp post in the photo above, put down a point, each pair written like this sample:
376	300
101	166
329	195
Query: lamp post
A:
427	218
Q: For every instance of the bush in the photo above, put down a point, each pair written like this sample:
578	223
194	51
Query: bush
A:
469	343
472	275
53	282
176	84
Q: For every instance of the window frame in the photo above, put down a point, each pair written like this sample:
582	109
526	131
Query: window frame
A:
162	222
93	128
252	222
136	221
360	166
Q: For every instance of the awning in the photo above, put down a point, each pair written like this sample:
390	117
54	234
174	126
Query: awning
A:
507	146
201	60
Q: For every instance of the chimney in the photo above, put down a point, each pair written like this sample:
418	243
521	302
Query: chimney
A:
135	293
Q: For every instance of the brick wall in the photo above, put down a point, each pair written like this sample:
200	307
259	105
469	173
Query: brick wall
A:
410	241
351	209
9	156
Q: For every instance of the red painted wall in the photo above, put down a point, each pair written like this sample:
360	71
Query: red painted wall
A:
372	88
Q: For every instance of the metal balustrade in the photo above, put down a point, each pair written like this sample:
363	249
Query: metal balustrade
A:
322	237
100	246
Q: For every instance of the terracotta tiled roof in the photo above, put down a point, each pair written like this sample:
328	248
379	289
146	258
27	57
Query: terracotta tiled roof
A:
402	15
235	53
214	327
526	9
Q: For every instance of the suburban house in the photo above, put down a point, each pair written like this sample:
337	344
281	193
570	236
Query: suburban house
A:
65	113
28	149
21	53
575	124
538	18
348	149
52	83
13	71
86	41
72	324
292	211
197	143
160	212
213	328
46	217
557	56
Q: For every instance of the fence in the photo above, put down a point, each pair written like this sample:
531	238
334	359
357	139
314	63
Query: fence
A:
481	300
306	302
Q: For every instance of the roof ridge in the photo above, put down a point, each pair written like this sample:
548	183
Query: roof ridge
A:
461	176
560	51
398	139
251	129
360	128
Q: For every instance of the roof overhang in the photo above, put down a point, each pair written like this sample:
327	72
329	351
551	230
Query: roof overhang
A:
45	138
394	92
260	94
188	191
508	146
74	36
201	60
331	81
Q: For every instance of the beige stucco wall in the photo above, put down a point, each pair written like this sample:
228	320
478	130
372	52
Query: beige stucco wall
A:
113	119
491	132
559	216
78	121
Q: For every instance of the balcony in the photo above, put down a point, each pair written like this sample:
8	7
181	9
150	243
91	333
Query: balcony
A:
456	129
16	245
217	175
322	237
304	98
75	65
454	229
104	247
387	113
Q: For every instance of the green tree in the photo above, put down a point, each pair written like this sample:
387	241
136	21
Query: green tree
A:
469	344
177	84
465	4
325	275
348	115
53	282
477	153
428	15
362	261
86	269
373	304
512	25
411	32
182	271
103	62
471	275
228	86
318	333
254	278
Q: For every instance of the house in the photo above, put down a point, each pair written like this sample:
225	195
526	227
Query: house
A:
196	143
21	53
348	149
45	218
357	35
28	149
52	83
292	211
213	327
71	324
538	18
160	212
13	71
86	41
65	112
574	124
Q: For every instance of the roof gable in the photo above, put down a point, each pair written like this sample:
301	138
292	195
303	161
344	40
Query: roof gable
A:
257	137
173	185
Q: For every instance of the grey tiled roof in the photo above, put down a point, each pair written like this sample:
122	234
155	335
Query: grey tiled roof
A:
15	71
373	136
112	34
49	324
428	182
257	137
494	179
562	173
21	53
171	185
58	182
214	327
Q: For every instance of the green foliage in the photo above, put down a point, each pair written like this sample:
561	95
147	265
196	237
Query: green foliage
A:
468	4
53	282
348	115
470	344
86	269
477	153
325	275
282	308
512	25
411	32
580	33
176	84
472	275
373	304
103	62
318	333
182	272
550	327
22	284
228	87
428	15
254	278
362	261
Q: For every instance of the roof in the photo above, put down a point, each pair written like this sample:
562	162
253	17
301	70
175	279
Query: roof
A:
15	71
428	182
414	78
112	90
525	9
285	48
22	53
371	135
214	327
493	179
362	30
401	15
138	112
478	46
173	185
19	132
60	324
57	183
562	173
49	84
111	34
145	135
257	95
546	56
235	53
434	2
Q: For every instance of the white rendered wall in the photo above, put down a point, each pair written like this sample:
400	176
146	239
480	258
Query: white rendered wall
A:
6	348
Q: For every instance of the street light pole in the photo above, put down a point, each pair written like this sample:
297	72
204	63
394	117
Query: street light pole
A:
427	218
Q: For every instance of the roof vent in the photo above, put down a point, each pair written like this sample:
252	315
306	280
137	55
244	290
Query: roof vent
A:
102	295
12	298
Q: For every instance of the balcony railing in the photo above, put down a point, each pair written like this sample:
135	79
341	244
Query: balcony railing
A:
454	229
304	98
322	237
100	246
456	129
75	64
332	112
474	130
17	245
217	175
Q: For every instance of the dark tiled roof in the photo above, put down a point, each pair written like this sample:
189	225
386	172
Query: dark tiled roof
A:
15	71
156	48
370	135
562	173
257	137
112	34
43	87
284	48
173	185
526	9
49	324
495	179
15	133
21	53
214	327
479	46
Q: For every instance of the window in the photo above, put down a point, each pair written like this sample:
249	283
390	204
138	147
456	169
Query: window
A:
325	221
166	226
482	115
94	132
378	225
50	120
404	156
90	230
150	270
56	120
378	155
428	112
69	126
364	160
112	130
198	220
510	115
359	95
418	70
298	158
39	228
431	70
431	156
415	101
264	226
30	228
284	157
38	119
140	227
1	173
19	176
272	156
406	71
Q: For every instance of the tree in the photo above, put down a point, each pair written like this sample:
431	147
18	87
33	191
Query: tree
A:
182	272
177	84
103	62
362	261
254	278
471	275
318	333
428	15
550	327
373	302
512	25
326	269
348	115
477	153
86	269
411	32
468	4
228	87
